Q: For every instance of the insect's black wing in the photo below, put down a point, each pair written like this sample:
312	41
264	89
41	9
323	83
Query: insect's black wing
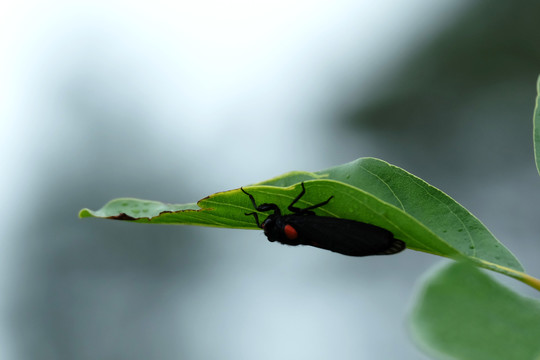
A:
343	236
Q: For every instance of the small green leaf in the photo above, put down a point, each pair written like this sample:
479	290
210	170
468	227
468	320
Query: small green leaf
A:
462	313
536	127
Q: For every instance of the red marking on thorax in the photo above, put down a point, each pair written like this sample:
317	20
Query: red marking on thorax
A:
290	232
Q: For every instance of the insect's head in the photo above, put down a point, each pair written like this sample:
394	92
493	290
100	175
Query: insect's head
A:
274	226
270	229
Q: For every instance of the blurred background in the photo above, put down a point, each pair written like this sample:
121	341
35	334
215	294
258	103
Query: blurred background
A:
173	101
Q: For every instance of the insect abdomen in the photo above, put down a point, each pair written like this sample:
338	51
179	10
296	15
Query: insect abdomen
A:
348	237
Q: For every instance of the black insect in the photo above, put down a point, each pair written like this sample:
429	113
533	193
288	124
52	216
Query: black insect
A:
304	227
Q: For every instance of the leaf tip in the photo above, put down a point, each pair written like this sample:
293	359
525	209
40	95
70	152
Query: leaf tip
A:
85	213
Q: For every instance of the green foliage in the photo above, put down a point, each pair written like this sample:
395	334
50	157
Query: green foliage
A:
367	190
536	127
463	313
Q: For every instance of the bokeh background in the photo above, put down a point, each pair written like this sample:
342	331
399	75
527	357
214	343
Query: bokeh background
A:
173	101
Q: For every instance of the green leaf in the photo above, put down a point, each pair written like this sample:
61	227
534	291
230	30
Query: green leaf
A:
367	190
536	127
437	224
462	313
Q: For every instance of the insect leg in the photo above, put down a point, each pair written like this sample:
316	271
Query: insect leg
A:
291	206
306	210
262	207
268	207
256	218
250	197
317	205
